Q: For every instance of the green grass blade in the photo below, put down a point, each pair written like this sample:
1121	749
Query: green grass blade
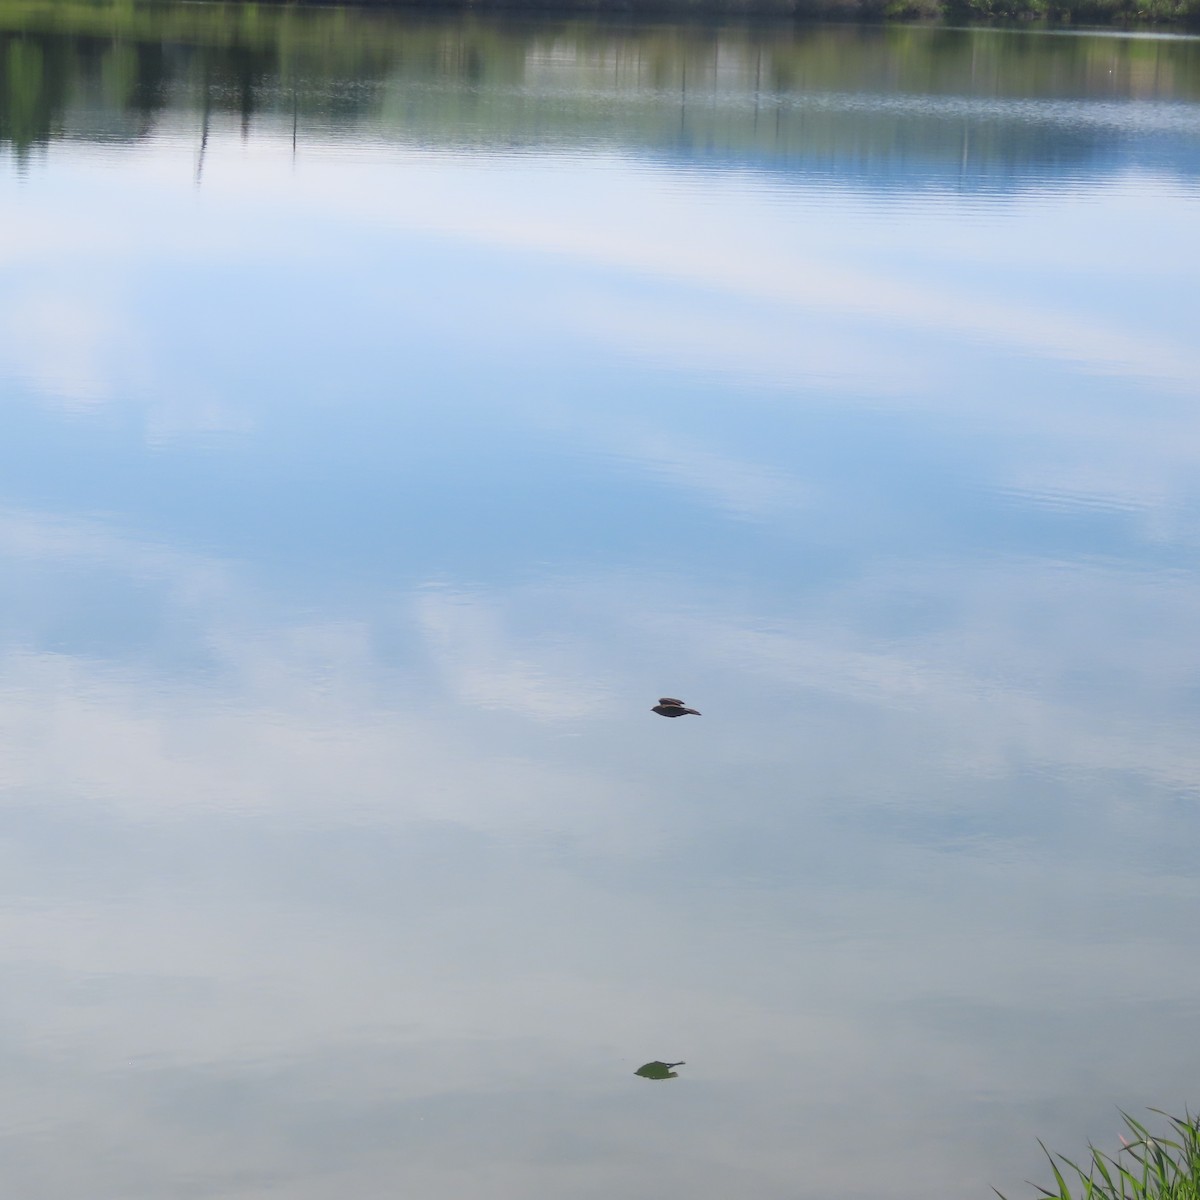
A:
1147	1168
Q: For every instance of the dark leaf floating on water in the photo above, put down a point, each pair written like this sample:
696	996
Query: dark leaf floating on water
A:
658	1070
668	706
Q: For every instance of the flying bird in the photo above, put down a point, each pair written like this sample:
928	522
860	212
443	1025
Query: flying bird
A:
668	706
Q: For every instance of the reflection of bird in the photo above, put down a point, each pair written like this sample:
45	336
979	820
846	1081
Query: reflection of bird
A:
668	706
658	1070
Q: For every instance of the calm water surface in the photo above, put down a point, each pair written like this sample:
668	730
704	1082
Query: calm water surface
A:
394	408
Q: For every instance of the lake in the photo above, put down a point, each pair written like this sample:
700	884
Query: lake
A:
395	407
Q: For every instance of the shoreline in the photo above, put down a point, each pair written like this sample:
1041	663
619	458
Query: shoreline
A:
1181	16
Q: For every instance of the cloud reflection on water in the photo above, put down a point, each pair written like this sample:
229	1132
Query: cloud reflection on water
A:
298	869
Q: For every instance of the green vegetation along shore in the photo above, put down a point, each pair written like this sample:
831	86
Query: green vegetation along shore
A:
1125	13
1129	13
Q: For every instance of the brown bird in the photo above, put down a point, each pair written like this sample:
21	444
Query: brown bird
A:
668	706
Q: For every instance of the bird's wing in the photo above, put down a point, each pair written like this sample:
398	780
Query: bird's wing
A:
670	700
